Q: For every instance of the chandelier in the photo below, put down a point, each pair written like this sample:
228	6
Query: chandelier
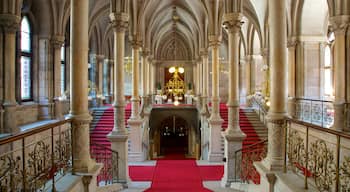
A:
175	86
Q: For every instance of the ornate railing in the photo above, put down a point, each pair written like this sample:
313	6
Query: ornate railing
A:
244	159
36	159
110	159
260	107
318	112
321	156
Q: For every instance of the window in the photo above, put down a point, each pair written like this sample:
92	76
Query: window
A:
26	60
63	69
328	77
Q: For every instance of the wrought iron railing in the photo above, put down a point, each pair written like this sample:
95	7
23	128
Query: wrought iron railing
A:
244	159
109	158
36	159
321	156
318	112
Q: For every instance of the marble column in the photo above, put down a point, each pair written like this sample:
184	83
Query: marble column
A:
135	121
339	25
200	75
135	100
233	134
57	43
99	85
278	92
215	121
81	118
205	81
119	135
144	79
291	77
10	24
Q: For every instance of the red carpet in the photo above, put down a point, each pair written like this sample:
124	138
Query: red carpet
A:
251	138
141	173
177	176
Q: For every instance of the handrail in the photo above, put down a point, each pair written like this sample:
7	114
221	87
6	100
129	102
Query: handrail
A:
309	99
305	154
29	165
327	130
31	132
252	145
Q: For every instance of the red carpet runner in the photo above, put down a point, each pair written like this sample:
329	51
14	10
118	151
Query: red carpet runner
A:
177	176
251	138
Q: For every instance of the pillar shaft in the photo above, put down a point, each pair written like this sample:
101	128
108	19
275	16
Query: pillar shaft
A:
278	91
79	77
135	100
291	78
215	44
119	22
100	62
340	25
57	42
205	75
10	24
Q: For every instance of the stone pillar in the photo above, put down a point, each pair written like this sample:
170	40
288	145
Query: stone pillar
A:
233	134
144	79
135	121
291	77
194	84
266	68
119	135
57	42
205	81
248	74
215	121
10	24
278	94
135	101
112	81
340	25
200	75
99	85
82	161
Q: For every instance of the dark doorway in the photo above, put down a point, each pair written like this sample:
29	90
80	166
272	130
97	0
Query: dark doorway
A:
174	136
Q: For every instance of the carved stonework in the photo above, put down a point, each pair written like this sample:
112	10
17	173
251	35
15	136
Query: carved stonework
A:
10	23
214	40
119	21
233	22
57	41
339	24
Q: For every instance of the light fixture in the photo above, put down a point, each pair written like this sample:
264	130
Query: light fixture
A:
181	70
176	102
172	69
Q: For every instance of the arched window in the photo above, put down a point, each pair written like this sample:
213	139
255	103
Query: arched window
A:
26	60
328	75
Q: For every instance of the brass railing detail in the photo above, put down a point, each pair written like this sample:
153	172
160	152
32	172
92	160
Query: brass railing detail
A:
322	164
345	175
244	159
296	151
318	159
38	165
110	159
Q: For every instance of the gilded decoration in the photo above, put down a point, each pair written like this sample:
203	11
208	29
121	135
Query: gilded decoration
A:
296	150
345	175
322	165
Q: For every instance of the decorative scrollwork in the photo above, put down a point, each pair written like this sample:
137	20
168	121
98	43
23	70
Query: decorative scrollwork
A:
10	173
39	166
296	150
345	175
63	151
322	164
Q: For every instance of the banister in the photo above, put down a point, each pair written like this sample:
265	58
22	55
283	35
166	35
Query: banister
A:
31	132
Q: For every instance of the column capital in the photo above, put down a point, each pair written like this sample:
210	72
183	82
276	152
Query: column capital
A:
233	22
145	52
265	52
57	41
292	42
214	40
203	52
119	21
136	43
339	24
100	57
10	23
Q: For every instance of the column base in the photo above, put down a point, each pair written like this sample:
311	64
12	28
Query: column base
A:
10	123
233	142
45	111
120	144
215	148
267	178
339	116
135	137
